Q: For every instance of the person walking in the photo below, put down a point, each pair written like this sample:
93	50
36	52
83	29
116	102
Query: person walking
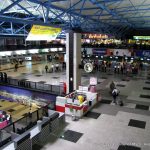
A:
115	94
112	86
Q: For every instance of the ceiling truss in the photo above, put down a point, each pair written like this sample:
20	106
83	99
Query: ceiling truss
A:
98	16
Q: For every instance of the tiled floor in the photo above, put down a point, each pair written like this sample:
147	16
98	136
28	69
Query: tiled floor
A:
71	136
116	128
137	123
126	147
93	115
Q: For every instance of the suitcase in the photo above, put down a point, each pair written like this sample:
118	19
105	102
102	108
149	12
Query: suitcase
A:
120	102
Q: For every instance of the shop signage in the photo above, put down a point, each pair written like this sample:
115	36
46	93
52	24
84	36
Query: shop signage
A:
95	36
93	80
141	37
83	88
99	51
121	52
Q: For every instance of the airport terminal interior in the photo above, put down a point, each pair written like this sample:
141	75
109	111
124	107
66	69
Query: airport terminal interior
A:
75	74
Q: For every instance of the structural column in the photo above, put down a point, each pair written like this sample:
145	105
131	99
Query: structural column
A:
73	54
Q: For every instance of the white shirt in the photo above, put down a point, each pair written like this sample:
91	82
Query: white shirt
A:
115	91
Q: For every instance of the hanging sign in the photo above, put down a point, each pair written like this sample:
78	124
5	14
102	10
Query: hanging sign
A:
43	33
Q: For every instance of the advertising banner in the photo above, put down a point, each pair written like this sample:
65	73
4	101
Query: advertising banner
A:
88	51
99	51
122	52
43	33
110	52
143	53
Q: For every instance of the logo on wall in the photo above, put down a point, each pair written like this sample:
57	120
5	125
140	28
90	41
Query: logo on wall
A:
88	67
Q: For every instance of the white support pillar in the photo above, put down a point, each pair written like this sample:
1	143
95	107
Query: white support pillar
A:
73	54
77	60
67	61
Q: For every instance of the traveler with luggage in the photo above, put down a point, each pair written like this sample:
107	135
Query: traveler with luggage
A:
115	94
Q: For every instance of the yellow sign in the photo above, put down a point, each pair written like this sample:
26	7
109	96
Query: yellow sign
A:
96	36
42	33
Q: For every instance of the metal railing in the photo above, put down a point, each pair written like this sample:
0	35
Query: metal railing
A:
52	89
15	128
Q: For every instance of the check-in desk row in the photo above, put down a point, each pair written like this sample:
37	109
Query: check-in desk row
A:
37	134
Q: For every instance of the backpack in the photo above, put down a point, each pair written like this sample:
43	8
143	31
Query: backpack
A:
115	92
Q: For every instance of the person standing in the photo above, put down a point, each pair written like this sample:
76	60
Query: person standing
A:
109	66
46	68
105	66
16	66
118	68
115	68
52	67
121	68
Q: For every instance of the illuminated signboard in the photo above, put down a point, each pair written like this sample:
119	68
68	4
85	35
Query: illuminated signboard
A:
141	37
95	36
43	33
28	58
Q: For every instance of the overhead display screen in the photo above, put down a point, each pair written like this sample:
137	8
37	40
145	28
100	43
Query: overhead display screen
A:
141	37
43	33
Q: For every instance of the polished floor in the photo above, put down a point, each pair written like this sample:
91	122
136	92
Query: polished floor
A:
115	126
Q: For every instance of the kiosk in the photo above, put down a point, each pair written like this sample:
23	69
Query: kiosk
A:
78	102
